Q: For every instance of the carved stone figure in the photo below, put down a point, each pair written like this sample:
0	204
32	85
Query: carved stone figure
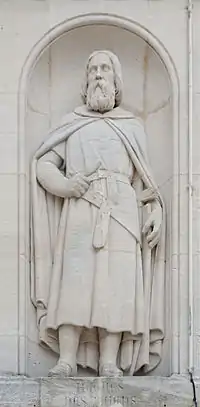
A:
98	229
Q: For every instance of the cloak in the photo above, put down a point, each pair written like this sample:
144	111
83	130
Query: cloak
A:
48	215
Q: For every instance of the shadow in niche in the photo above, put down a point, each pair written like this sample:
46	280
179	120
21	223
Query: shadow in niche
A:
54	90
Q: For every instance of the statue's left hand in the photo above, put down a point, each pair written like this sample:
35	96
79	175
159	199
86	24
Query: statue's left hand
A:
152	227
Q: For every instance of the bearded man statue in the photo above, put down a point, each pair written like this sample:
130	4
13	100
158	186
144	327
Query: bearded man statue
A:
98	235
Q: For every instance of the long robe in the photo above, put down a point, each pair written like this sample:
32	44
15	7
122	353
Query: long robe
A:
68	231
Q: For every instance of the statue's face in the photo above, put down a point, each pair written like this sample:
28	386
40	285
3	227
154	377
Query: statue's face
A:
100	68
101	87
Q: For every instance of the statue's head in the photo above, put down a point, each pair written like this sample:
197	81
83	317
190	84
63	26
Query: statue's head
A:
102	87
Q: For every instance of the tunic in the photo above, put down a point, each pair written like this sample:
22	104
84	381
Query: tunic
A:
101	287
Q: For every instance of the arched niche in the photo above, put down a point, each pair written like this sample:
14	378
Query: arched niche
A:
50	87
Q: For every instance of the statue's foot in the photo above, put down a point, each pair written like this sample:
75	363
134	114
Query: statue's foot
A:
110	370
63	370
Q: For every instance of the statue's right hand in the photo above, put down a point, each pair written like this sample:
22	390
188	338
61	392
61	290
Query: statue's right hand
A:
77	185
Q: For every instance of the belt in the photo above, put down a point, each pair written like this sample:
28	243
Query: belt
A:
111	178
109	175
105	208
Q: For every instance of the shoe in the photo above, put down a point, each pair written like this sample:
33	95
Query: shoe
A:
63	369
110	370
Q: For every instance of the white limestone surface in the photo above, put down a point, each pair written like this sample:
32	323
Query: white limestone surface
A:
129	392
39	42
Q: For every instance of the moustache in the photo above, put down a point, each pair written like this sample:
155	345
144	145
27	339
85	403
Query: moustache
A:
99	83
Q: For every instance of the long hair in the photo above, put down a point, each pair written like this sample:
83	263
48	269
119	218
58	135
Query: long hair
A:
117	76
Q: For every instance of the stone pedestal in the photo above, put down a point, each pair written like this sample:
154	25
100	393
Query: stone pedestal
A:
96	392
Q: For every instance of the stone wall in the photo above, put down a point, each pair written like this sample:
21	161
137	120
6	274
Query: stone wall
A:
43	46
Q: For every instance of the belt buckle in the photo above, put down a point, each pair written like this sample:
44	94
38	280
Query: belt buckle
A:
100	173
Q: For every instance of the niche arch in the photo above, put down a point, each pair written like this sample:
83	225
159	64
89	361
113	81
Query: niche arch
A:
42	102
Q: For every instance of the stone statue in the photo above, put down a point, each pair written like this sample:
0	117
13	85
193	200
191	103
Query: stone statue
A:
98	230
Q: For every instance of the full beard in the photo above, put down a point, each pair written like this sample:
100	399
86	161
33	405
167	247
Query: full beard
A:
100	96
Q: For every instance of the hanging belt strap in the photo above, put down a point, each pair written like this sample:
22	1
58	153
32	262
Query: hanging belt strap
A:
104	213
